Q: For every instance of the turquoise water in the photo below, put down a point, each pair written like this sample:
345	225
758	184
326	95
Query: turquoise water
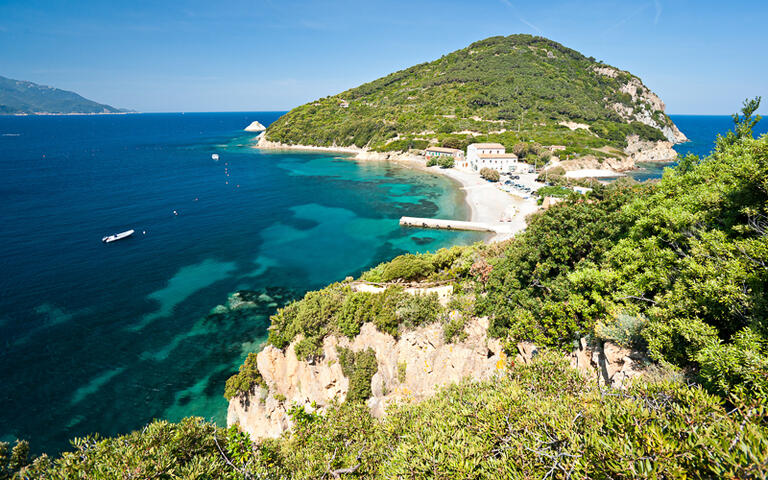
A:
702	131
105	337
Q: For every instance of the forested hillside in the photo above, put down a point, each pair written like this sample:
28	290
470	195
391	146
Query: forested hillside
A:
17	96
507	89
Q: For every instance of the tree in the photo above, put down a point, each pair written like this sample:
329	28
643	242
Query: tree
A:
743	125
446	162
456	143
490	174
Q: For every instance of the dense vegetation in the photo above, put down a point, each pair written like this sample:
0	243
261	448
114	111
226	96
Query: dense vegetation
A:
17	96
505	89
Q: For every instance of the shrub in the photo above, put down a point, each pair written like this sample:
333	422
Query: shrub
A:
453	328
420	309
407	267
446	162
359	368
401	371
740	368
554	191
245	379
432	162
309	348
624	330
490	174
457	143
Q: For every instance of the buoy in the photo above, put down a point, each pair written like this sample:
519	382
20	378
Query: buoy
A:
175	212
143	232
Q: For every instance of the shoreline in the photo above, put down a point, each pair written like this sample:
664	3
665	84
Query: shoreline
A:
486	202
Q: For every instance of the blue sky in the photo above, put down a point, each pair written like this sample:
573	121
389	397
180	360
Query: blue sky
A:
700	56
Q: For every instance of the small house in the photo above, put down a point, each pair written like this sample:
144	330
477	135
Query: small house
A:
437	152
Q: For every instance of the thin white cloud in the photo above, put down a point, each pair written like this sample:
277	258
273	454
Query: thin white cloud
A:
628	18
658	12
509	4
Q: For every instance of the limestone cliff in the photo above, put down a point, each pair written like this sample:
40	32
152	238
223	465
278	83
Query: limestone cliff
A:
646	107
409	368
644	151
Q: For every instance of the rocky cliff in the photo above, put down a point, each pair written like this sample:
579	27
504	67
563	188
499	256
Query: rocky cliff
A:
411	367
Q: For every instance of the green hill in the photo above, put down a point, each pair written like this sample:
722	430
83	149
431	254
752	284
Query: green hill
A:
505	89
19	97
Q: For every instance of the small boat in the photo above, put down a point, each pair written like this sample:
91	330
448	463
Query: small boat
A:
215	156
117	236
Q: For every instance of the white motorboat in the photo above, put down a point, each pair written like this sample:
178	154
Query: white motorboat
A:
117	236
215	156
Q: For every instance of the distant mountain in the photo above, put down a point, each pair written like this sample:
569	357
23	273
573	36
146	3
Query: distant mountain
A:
19	97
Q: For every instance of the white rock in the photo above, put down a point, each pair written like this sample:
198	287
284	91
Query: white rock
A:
255	126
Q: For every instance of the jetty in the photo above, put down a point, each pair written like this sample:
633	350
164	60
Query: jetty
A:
493	227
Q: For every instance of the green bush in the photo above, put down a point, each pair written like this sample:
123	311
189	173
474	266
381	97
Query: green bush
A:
417	310
624	330
245	379
402	368
739	368
554	191
490	174
432	162
160	450
407	267
359	368
446	162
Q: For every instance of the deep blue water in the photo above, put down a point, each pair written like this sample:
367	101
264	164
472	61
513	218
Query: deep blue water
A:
702	131
105	337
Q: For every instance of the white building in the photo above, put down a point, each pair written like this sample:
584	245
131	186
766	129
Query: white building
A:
491	155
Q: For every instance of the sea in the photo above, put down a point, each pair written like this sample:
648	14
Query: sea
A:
702	131
104	338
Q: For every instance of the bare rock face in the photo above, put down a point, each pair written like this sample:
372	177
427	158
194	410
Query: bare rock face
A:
255	126
647	105
645	151
411	367
589	162
609	364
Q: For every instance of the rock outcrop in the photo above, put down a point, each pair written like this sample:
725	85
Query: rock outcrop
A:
411	367
255	126
645	151
608	363
648	107
591	162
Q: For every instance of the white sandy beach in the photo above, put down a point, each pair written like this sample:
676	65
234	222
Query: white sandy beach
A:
489	204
